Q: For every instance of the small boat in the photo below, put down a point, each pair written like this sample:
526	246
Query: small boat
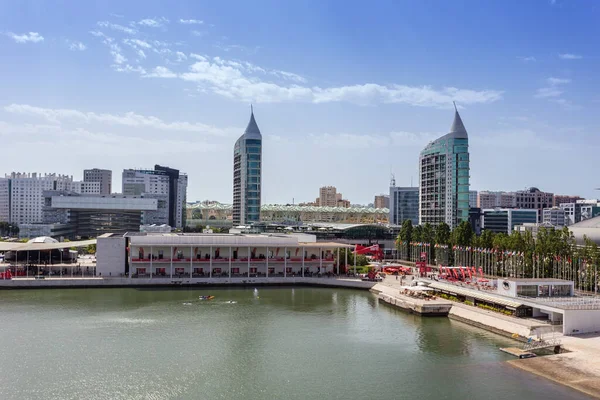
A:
206	297
231	302
187	304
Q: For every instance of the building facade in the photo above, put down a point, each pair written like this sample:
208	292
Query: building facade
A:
500	220
534	199
487	199
560	199
472	198
103	176
21	195
382	201
404	204
160	181
247	175
555	216
444	178
580	210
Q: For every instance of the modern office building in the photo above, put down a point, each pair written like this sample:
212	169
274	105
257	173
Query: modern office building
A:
73	215
444	178
247	175
555	216
103	176
475	219
382	201
580	210
404	204
160	181
472	198
504	220
534	199
560	199
487	199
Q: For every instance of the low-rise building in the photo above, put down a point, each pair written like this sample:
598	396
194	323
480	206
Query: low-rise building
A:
501	220
555	216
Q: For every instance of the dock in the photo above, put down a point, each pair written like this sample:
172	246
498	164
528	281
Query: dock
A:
437	307
520	353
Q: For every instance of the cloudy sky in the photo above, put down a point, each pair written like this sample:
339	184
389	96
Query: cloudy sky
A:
344	92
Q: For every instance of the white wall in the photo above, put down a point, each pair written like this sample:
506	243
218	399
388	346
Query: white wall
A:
110	256
581	321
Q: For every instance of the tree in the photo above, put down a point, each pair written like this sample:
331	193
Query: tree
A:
91	249
442	234
486	239
463	234
404	238
417	234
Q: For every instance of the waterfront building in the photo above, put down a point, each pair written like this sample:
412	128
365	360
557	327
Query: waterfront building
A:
382	201
487	199
560	199
102	176
444	178
534	199
404	204
504	220
160	181
472	198
146	255
555	216
247	175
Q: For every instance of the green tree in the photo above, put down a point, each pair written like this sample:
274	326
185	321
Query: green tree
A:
442	234
417	234
463	234
404	238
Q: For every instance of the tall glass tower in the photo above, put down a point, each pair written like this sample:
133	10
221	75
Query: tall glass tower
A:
247	158
444	178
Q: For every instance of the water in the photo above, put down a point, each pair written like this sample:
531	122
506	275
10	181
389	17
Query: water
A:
301	343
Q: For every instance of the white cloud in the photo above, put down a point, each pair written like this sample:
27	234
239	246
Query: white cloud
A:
161	72
152	22
76	46
528	59
191	22
141	54
198	33
547	92
129	119
558	81
181	56
117	27
32	37
569	56
129	68
231	79
137	42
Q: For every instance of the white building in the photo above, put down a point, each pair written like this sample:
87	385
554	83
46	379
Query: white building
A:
487	199
86	187
472	198
555	216
102	176
21	194
160	181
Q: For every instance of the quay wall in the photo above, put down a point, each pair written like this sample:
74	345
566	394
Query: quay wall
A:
24	283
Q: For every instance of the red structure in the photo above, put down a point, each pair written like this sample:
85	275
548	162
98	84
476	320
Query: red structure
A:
373	251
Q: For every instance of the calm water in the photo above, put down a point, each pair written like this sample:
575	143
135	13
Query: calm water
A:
298	343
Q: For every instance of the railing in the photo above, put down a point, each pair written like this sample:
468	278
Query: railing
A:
541	344
225	260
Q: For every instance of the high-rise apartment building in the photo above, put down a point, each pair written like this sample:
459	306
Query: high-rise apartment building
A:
404	204
382	201
560	199
103	176
329	197
21	195
534	199
486	199
444	178
247	175
160	181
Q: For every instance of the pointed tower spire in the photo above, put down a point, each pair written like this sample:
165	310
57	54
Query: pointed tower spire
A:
252	130
458	128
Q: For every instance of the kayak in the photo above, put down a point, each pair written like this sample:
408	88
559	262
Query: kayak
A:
206	297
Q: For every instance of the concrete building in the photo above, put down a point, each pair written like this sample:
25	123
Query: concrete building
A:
102	176
404	204
382	201
21	195
580	210
487	199
534	199
160	181
329	197
504	220
72	215
472	198
475	215
555	216
215	255
560	199
247	175
444	178
86	187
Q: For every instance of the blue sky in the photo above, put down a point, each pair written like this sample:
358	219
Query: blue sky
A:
344	91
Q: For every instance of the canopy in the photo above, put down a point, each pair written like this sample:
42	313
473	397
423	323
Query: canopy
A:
17	246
